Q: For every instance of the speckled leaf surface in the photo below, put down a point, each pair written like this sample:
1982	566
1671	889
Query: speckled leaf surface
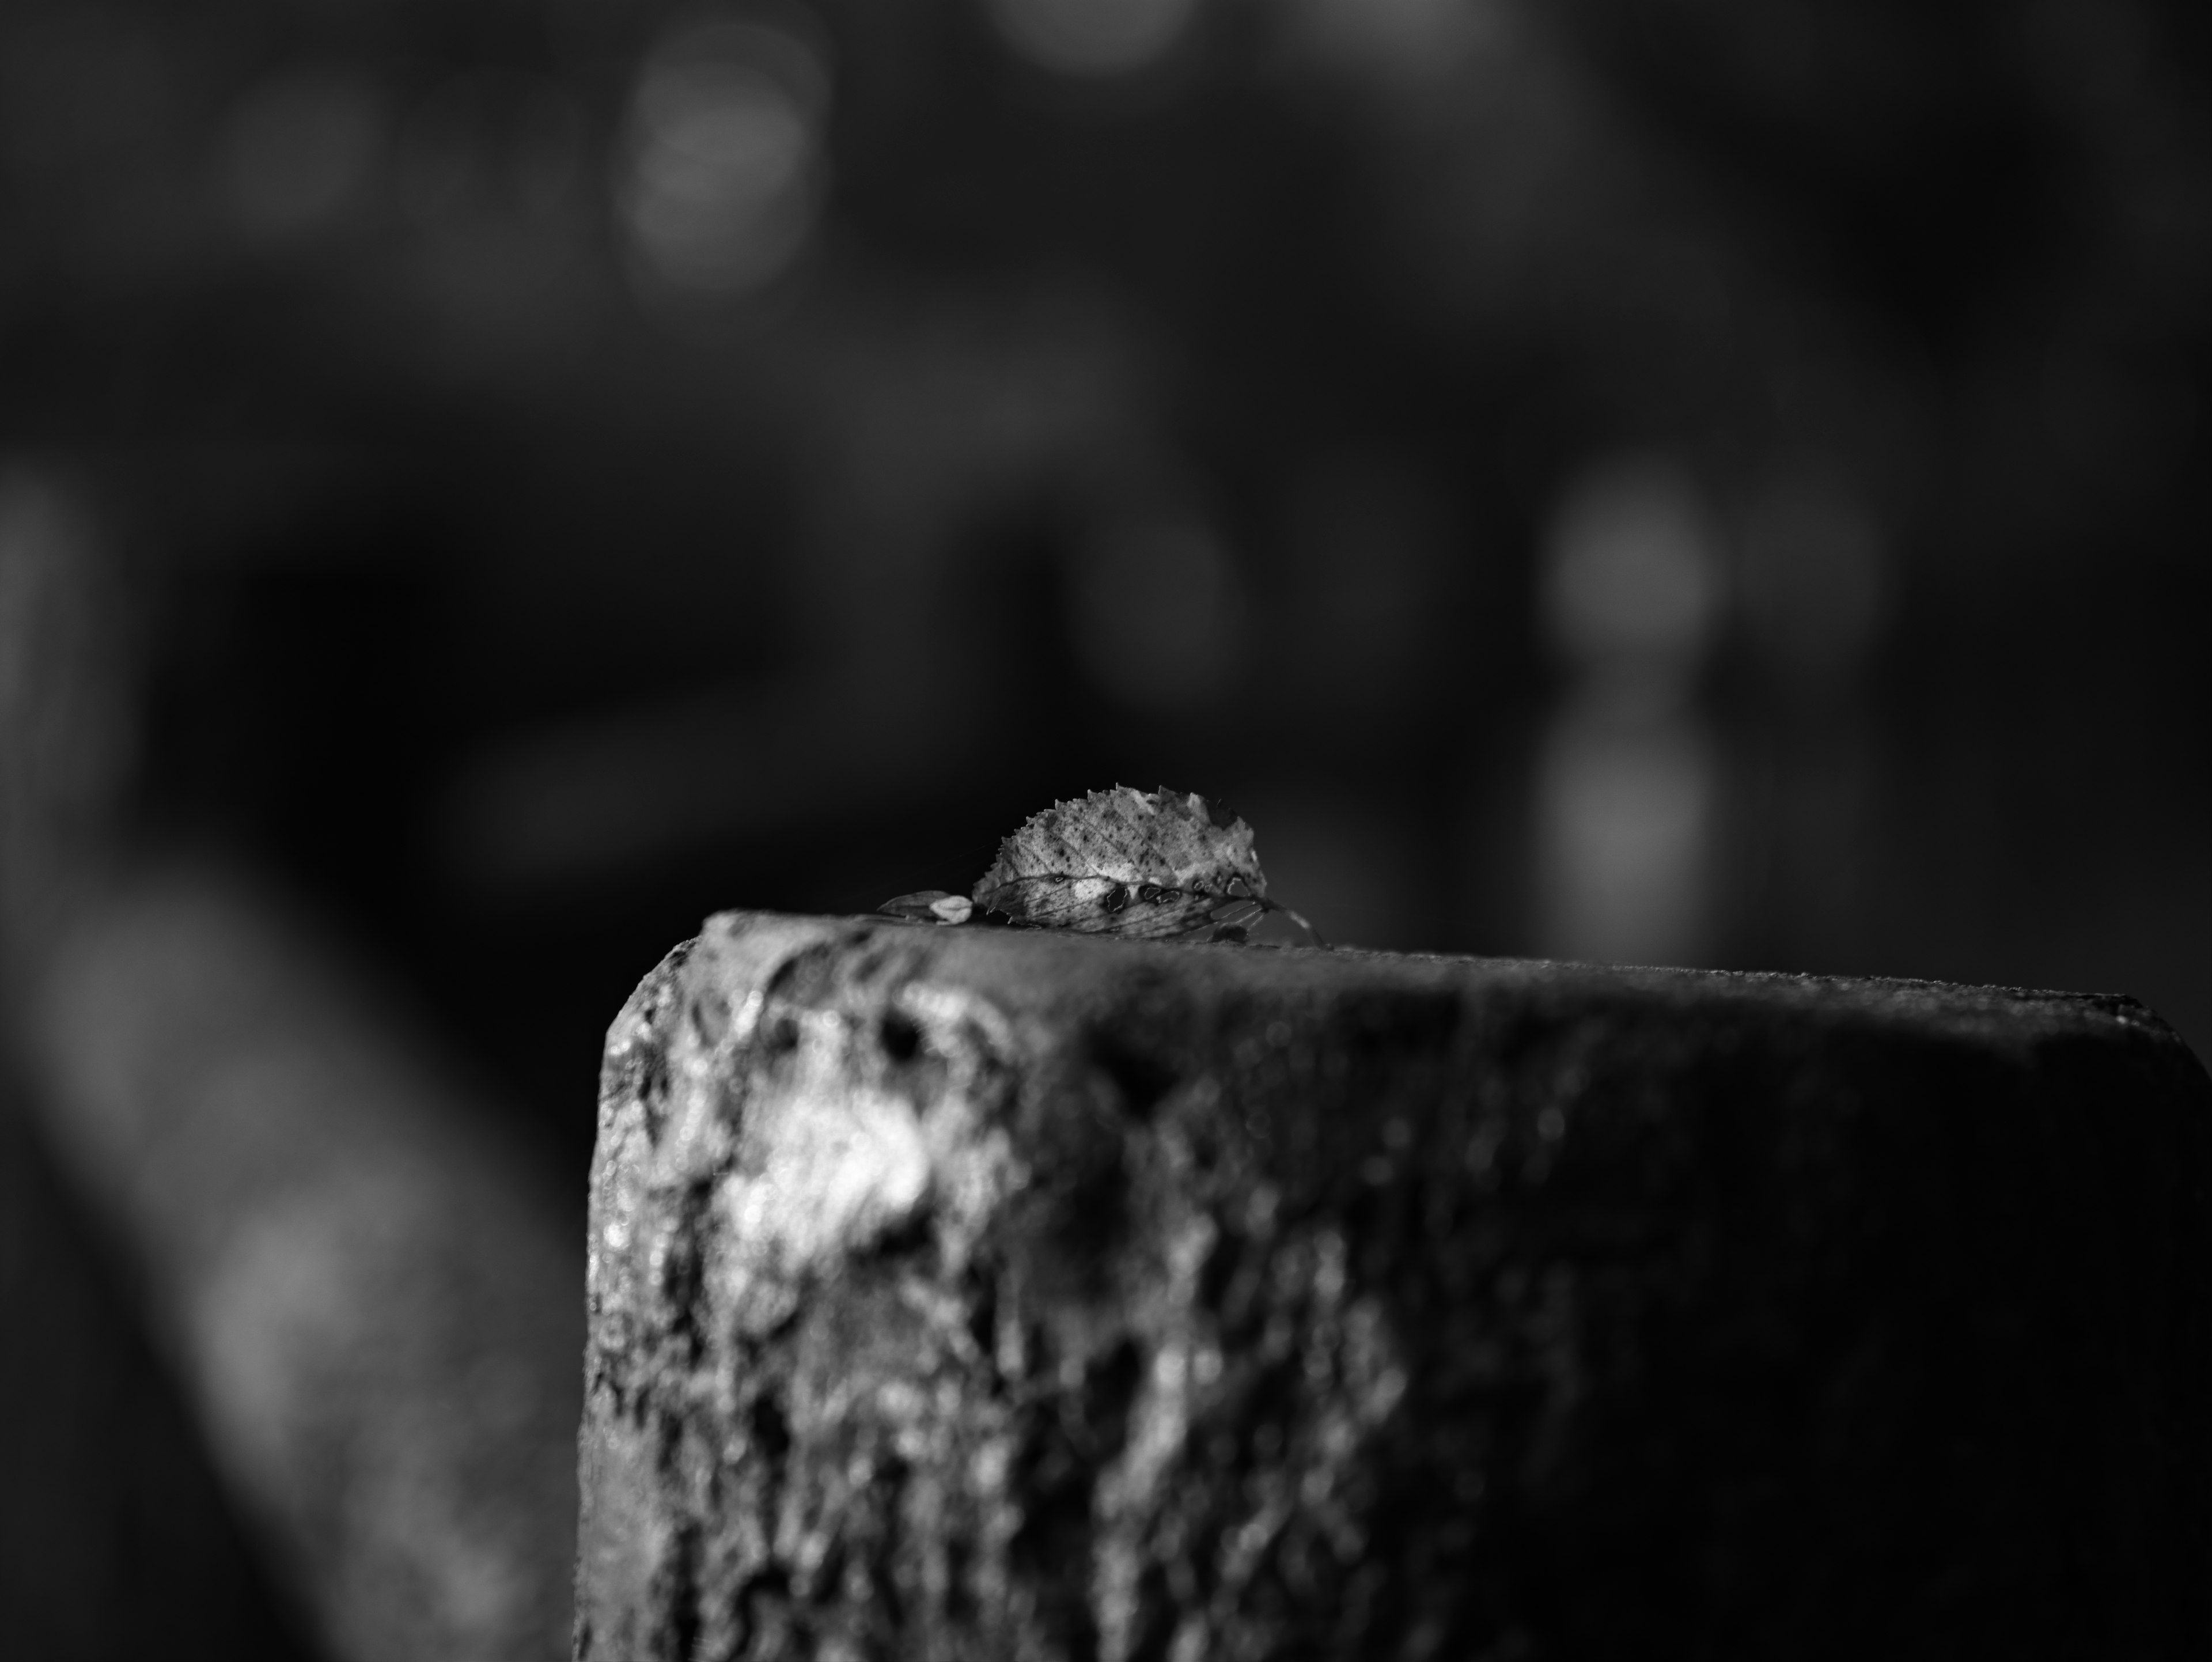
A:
1122	861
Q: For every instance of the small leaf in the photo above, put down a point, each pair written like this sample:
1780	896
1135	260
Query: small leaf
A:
1160	865
929	906
1123	861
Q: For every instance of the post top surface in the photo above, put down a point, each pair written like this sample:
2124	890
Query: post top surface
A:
1041	971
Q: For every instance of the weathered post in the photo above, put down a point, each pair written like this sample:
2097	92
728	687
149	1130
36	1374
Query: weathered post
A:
977	1293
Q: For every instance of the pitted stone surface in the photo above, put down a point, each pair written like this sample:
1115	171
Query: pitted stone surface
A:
971	1293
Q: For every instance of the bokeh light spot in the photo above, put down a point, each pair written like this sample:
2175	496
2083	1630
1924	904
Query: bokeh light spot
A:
1632	567
299	151
1093	37
725	169
1397	40
1626	813
1627	775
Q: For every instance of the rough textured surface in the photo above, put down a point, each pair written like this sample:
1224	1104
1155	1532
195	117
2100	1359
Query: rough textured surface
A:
964	1293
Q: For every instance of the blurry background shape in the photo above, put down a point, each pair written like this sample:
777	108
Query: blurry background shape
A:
1630	572
1417	41
1810	577
68	740
490	144
1355	869
117	1539
502	238
1814	596
1156	611
1626	797
366	1288
299	149
1370	549
1093	37
723	168
1626	785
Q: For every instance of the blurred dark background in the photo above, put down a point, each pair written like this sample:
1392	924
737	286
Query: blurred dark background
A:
1715	482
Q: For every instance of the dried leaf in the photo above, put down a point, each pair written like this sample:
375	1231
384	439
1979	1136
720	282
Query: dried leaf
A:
1162	865
1128	862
